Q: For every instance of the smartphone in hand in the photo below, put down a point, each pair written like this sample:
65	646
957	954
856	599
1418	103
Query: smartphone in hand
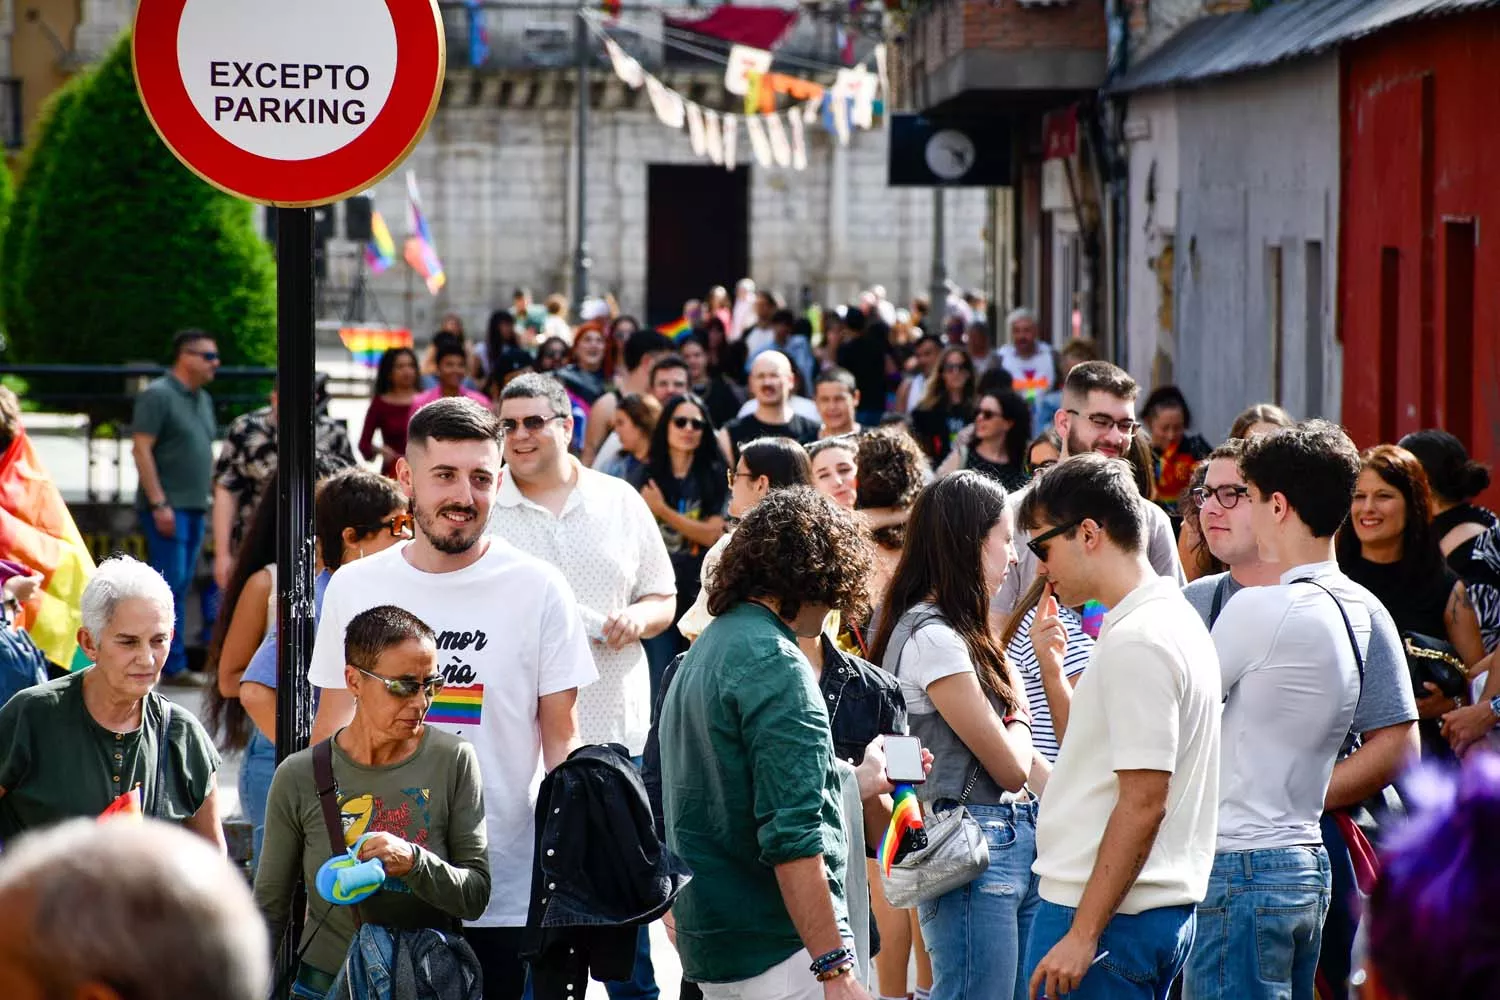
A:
903	760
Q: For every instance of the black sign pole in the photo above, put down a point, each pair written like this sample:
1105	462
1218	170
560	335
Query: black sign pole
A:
294	509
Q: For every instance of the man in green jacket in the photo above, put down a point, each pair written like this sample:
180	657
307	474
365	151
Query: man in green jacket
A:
750	791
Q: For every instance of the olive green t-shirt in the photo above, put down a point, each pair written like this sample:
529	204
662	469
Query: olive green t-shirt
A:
433	799
183	424
57	763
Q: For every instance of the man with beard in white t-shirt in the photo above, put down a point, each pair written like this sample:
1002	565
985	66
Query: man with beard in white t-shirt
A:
511	645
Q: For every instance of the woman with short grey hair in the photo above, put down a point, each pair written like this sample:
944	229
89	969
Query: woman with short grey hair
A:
101	739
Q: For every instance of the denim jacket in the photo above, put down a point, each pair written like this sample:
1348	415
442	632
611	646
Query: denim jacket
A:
423	964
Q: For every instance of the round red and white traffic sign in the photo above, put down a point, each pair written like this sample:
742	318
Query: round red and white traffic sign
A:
290	102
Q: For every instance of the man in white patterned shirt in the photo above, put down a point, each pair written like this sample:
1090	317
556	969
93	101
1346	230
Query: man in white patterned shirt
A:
599	533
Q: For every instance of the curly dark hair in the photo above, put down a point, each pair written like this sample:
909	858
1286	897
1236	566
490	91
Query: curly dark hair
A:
796	547
892	470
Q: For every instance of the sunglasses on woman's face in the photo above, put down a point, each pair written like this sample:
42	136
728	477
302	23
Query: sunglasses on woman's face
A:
399	525
984	414
688	423
955	366
406	687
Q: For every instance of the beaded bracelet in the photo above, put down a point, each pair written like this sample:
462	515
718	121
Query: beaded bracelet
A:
833	958
842	969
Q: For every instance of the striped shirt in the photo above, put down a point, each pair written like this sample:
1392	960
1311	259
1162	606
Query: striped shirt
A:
1023	658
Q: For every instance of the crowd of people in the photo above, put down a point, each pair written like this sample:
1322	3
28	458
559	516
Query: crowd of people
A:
1169	690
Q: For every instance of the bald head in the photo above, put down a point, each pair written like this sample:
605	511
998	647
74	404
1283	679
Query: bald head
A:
771	378
144	911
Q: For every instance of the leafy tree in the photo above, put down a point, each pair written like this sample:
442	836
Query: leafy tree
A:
15	227
126	247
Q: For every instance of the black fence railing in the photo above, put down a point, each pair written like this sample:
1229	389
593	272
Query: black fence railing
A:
105	392
12	136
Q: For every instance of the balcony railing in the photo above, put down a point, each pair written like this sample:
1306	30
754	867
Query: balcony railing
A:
532	35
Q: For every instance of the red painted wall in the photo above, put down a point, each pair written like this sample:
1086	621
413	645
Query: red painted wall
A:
1419	289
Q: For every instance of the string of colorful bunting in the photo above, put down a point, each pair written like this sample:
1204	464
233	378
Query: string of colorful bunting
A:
776	138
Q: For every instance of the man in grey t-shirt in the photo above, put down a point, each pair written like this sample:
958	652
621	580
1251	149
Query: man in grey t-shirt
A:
1385	713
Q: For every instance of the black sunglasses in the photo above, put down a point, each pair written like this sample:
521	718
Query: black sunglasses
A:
406	687
683	423
399	525
205	355
533	424
1038	545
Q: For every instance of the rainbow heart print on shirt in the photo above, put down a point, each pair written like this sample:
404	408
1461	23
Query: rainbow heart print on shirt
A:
458	706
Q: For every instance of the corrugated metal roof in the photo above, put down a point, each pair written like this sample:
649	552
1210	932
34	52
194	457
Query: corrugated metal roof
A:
1235	43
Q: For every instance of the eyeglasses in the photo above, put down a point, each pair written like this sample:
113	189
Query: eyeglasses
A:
1041	467
983	414
205	355
684	423
1038	545
1227	495
533	424
400	526
732	475
406	687
1104	422
955	366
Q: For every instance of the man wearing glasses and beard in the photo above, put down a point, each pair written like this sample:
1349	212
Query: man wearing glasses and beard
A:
1098	417
511	647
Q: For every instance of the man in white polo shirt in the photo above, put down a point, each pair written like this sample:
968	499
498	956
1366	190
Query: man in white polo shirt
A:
1125	833
602	536
511	650
1292	658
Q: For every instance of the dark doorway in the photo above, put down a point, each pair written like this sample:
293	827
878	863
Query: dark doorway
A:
697	234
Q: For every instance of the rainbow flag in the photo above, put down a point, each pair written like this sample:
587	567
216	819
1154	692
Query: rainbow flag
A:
455	706
368	343
37	530
380	252
1093	618
906	814
677	329
421	253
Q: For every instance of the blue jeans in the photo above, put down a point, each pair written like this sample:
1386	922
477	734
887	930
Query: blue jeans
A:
256	770
642	982
1260	925
1146	951
176	559
976	934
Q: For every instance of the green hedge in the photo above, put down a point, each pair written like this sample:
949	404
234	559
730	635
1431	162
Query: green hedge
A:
126	246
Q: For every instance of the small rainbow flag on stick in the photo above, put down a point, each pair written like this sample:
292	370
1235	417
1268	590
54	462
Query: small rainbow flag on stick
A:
368	343
380	252
906	817
677	329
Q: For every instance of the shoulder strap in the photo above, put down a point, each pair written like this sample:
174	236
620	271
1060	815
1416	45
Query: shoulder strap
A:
328	795
1218	605
974	769
1359	660
163	749
328	788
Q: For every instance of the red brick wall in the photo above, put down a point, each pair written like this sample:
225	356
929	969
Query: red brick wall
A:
1006	24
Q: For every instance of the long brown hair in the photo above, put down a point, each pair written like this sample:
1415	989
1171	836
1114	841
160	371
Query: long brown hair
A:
1420	556
943	563
936	393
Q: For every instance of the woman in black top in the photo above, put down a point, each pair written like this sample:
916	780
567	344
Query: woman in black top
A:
1387	547
947	405
717	391
1457	523
1002	427
584	377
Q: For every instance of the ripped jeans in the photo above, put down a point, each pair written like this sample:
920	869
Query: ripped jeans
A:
976	934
